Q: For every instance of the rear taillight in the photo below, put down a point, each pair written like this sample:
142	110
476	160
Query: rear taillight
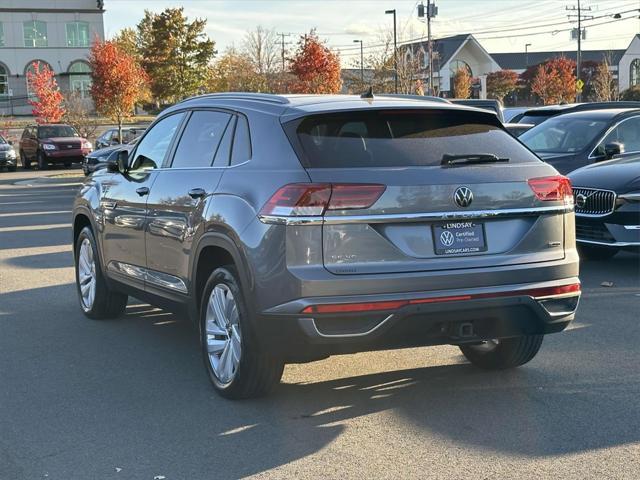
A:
313	199
556	188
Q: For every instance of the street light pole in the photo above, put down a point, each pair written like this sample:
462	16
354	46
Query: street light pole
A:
395	48
361	61
526	55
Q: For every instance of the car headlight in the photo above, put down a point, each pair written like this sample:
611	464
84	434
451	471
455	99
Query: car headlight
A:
48	146
11	154
87	145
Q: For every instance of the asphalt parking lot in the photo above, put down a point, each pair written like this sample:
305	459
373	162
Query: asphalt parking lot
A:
129	399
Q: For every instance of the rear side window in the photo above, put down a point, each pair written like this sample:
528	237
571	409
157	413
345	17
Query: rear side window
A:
200	139
241	151
400	138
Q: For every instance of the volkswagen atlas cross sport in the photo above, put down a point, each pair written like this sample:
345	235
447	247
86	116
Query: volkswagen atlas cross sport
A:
291	228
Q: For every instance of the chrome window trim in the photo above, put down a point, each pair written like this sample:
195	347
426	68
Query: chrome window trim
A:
613	127
413	217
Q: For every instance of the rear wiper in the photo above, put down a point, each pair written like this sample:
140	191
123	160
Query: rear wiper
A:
471	158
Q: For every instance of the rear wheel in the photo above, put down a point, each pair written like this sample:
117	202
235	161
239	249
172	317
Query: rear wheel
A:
504	353
595	252
42	162
237	364
97	300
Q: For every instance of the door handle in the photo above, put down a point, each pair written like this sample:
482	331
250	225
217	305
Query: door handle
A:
197	193
142	191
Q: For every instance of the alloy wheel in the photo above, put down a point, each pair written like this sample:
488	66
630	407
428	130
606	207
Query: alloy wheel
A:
223	336
86	274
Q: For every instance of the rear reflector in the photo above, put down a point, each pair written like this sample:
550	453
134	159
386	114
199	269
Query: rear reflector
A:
556	188
313	199
396	304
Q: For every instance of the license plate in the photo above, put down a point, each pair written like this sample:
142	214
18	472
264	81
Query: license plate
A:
452	238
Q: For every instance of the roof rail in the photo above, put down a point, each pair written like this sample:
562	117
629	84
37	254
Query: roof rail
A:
255	97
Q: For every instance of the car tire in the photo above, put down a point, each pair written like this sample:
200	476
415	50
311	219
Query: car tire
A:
42	163
67	164
11	169
26	163
237	364
594	252
102	302
504	353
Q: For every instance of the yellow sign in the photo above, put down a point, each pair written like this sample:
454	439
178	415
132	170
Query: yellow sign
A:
579	85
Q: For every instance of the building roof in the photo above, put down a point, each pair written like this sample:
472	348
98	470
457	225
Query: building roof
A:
519	60
445	47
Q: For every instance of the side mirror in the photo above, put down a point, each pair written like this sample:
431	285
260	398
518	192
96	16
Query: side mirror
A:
612	149
10	142
120	164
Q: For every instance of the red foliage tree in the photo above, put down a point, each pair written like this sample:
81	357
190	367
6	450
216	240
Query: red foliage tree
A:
48	104
501	83
118	81
316	67
555	81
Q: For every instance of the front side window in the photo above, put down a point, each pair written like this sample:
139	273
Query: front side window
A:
401	138
77	34
626	133
562	135
154	146
35	33
201	138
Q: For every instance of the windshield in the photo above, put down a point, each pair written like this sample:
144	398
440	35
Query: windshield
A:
562	134
401	138
2	140
51	131
534	119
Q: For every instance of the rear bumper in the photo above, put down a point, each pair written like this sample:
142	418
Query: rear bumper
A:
440	318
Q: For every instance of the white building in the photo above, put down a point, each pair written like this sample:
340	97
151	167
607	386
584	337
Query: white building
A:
56	32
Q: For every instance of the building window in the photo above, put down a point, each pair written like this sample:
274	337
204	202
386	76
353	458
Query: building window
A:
458	65
1	35
80	78
32	68
77	34
4	81
35	33
634	72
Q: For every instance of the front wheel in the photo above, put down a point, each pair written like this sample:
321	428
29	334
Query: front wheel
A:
42	162
501	354
97	300
237	364
26	163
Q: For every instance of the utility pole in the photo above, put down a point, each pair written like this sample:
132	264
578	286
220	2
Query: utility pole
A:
282	35
395	48
361	61
431	11
580	34
526	55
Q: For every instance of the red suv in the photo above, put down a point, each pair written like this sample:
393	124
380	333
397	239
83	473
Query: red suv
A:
52	143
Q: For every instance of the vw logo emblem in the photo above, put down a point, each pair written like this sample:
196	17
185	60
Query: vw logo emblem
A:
446	238
463	196
581	200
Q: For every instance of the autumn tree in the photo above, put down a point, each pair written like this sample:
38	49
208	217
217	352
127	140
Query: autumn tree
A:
78	114
118	81
555	81
48	102
261	48
462	82
602	83
127	41
501	83
317	69
234	72
175	53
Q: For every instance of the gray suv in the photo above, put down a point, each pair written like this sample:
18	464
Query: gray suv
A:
291	228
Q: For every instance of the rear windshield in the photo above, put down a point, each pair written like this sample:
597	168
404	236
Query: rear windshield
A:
52	131
392	138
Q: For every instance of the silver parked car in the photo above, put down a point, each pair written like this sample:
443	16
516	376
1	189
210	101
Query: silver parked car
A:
291	228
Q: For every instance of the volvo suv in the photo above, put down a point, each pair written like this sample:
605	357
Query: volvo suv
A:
292	228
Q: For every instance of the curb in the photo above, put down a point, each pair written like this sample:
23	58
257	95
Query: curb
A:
68	181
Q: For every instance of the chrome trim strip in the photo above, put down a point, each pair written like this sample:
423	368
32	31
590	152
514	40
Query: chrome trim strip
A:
632	227
413	217
609	244
143	274
350	335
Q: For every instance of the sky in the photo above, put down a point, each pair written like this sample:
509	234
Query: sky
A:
499	25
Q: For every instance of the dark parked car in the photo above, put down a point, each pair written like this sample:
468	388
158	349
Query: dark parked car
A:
52	143
110	137
8	155
99	159
538	115
607	198
573	140
291	228
517	129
